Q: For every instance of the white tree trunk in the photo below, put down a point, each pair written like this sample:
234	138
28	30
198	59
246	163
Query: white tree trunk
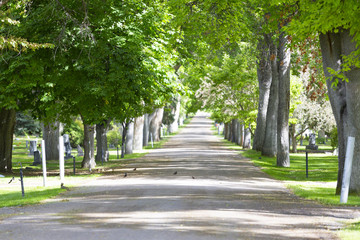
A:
247	139
138	133
146	130
173	127
270	140
283	147
129	139
264	78
155	123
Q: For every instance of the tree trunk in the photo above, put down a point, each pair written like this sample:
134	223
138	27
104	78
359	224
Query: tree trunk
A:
247	139
264	78
282	156
7	120
292	130
230	132
173	127
125	127
146	130
138	133
270	140
156	121
102	153
233	130
238	132
129	141
51	134
345	100
242	131
226	130
89	159
331	50
353	110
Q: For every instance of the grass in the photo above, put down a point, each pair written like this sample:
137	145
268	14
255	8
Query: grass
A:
351	231
33	195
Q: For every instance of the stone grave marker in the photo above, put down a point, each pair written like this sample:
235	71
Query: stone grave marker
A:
67	147
37	158
312	143
80	151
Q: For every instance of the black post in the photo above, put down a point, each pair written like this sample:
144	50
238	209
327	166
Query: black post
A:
74	166
22	182
307	165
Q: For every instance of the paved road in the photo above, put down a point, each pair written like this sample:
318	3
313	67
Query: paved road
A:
216	194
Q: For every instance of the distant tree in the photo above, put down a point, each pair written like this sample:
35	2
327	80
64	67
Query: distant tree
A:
26	125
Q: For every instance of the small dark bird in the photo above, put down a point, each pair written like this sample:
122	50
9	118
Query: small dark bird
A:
134	169
193	177
11	180
259	157
62	186
175	173
125	175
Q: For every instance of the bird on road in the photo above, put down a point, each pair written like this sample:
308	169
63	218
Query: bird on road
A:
62	186
125	175
193	177
134	169
175	172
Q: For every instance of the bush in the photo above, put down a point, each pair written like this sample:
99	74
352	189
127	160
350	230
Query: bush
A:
320	140
334	138
76	132
114	135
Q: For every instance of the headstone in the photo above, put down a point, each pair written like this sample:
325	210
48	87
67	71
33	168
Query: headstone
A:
80	151
321	134
37	158
312	143
32	148
67	147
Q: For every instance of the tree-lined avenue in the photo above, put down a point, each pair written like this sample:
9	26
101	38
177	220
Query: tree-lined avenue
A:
215	194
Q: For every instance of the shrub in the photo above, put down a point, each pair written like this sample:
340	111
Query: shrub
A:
334	138
320	140
114	135
76	132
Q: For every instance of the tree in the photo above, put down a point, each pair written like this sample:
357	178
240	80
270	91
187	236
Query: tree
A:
102	71
12	91
339	38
